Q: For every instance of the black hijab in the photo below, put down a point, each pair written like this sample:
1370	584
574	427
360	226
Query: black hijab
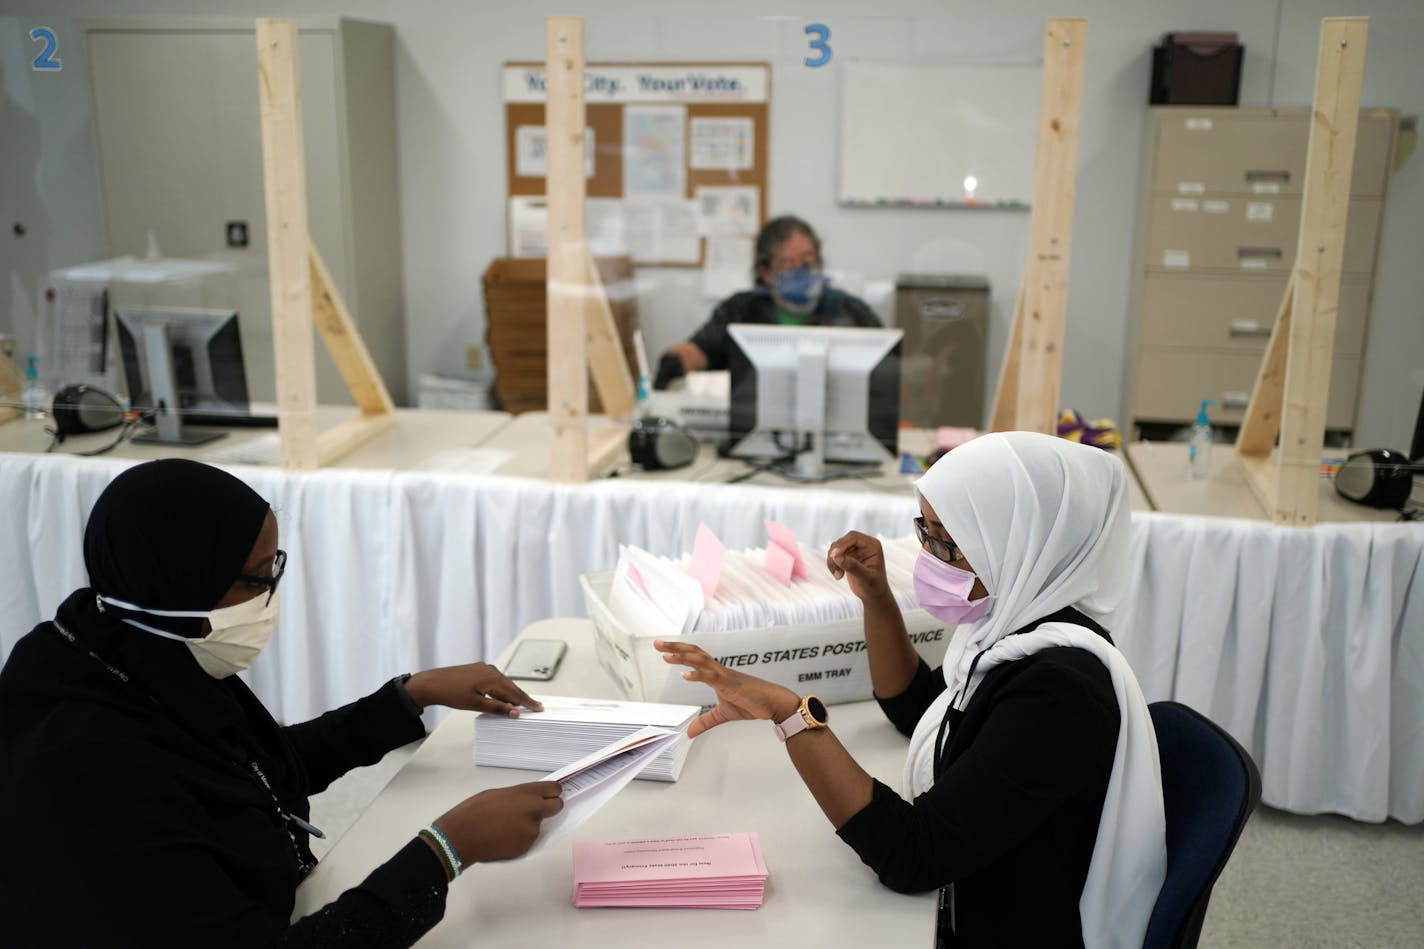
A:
171	535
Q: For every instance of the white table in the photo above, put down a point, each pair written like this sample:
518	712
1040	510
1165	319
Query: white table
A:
1161	469
737	778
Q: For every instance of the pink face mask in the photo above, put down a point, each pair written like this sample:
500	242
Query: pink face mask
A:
943	591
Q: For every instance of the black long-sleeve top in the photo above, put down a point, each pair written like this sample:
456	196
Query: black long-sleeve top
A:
834	308
1013	814
132	815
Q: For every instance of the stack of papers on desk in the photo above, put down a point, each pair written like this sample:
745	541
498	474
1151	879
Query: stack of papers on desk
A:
717	871
570	728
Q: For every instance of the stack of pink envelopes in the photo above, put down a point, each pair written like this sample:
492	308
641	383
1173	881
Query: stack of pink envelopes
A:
716	871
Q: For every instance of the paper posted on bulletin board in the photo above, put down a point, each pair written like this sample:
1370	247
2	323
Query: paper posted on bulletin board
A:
675	164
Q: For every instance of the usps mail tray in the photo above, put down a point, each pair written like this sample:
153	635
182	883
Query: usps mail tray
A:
824	659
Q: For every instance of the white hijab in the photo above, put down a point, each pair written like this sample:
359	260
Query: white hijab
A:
1044	523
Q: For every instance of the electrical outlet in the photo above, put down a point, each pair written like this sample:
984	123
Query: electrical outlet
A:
474	357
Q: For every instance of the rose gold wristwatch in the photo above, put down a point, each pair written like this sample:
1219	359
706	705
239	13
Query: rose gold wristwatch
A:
810	714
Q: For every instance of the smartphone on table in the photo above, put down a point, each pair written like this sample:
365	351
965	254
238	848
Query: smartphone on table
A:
536	659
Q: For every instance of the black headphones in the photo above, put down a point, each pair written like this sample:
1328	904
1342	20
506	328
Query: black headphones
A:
656	444
81	409
1379	477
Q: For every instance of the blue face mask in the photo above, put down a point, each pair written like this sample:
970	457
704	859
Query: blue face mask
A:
798	289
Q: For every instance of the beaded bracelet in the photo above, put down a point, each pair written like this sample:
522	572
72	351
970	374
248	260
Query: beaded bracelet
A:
449	859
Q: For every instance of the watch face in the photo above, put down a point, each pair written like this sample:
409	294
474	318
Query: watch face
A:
817	708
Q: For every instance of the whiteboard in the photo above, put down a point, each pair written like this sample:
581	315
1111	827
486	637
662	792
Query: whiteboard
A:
918	134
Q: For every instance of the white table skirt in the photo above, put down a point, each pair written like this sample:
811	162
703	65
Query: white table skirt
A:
1305	644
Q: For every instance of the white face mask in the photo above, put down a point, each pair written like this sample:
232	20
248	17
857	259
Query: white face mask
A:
238	634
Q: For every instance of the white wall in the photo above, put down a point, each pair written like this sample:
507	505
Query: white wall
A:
452	159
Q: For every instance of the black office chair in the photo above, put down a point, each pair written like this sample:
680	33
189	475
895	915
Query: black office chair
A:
1210	785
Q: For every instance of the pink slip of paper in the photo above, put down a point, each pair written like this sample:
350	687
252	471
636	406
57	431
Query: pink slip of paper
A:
713	856
783	540
636	579
641	902
706	563
779	564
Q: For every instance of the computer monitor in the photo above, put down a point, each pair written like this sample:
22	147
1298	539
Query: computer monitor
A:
182	364
814	394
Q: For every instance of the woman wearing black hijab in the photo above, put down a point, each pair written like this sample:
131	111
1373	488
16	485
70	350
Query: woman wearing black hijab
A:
147	798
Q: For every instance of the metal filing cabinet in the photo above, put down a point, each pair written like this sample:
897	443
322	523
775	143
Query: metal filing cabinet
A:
946	324
1222	207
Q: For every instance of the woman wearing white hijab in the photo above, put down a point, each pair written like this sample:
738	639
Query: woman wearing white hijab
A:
1032	775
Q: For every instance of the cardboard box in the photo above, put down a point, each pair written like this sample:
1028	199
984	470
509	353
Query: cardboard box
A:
516	326
823	659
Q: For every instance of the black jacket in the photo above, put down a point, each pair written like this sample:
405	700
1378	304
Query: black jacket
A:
1013	815
835	308
131	813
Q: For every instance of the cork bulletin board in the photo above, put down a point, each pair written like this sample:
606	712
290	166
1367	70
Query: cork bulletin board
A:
675	165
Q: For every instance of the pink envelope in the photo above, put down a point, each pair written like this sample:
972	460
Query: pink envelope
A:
706	564
780	564
783	539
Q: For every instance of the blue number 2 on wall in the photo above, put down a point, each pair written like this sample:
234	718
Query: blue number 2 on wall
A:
820	33
46	60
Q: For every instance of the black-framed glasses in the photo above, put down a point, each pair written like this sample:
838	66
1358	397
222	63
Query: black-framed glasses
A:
279	567
942	549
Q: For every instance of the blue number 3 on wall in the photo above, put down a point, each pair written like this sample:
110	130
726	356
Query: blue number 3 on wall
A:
46	60
821	33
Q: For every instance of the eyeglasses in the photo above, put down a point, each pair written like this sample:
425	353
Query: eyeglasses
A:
942	549
279	567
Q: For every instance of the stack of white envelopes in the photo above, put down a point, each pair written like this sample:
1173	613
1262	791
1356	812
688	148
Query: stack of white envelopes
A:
714	871
662	596
570	728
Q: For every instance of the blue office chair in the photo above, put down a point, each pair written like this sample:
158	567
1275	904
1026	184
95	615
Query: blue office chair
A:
1210	785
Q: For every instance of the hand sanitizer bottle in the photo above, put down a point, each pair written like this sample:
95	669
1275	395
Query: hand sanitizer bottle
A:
1199	451
34	396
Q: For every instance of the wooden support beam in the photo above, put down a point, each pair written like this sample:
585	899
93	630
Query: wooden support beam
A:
569	265
285	180
1261	478
347	436
303	292
1004	414
612	378
343	340
1263	415
605	448
1043	303
1307	319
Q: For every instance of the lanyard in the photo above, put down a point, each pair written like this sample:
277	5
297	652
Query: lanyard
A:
288	819
953	716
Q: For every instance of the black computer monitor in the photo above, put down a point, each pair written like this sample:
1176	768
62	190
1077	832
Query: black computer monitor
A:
814	394
183	365
1416	447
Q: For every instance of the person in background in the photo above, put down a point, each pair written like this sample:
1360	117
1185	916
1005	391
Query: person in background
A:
1032	785
791	290
148	799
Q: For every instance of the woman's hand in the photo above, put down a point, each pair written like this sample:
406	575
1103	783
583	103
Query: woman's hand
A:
477	686
501	823
740	697
860	559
